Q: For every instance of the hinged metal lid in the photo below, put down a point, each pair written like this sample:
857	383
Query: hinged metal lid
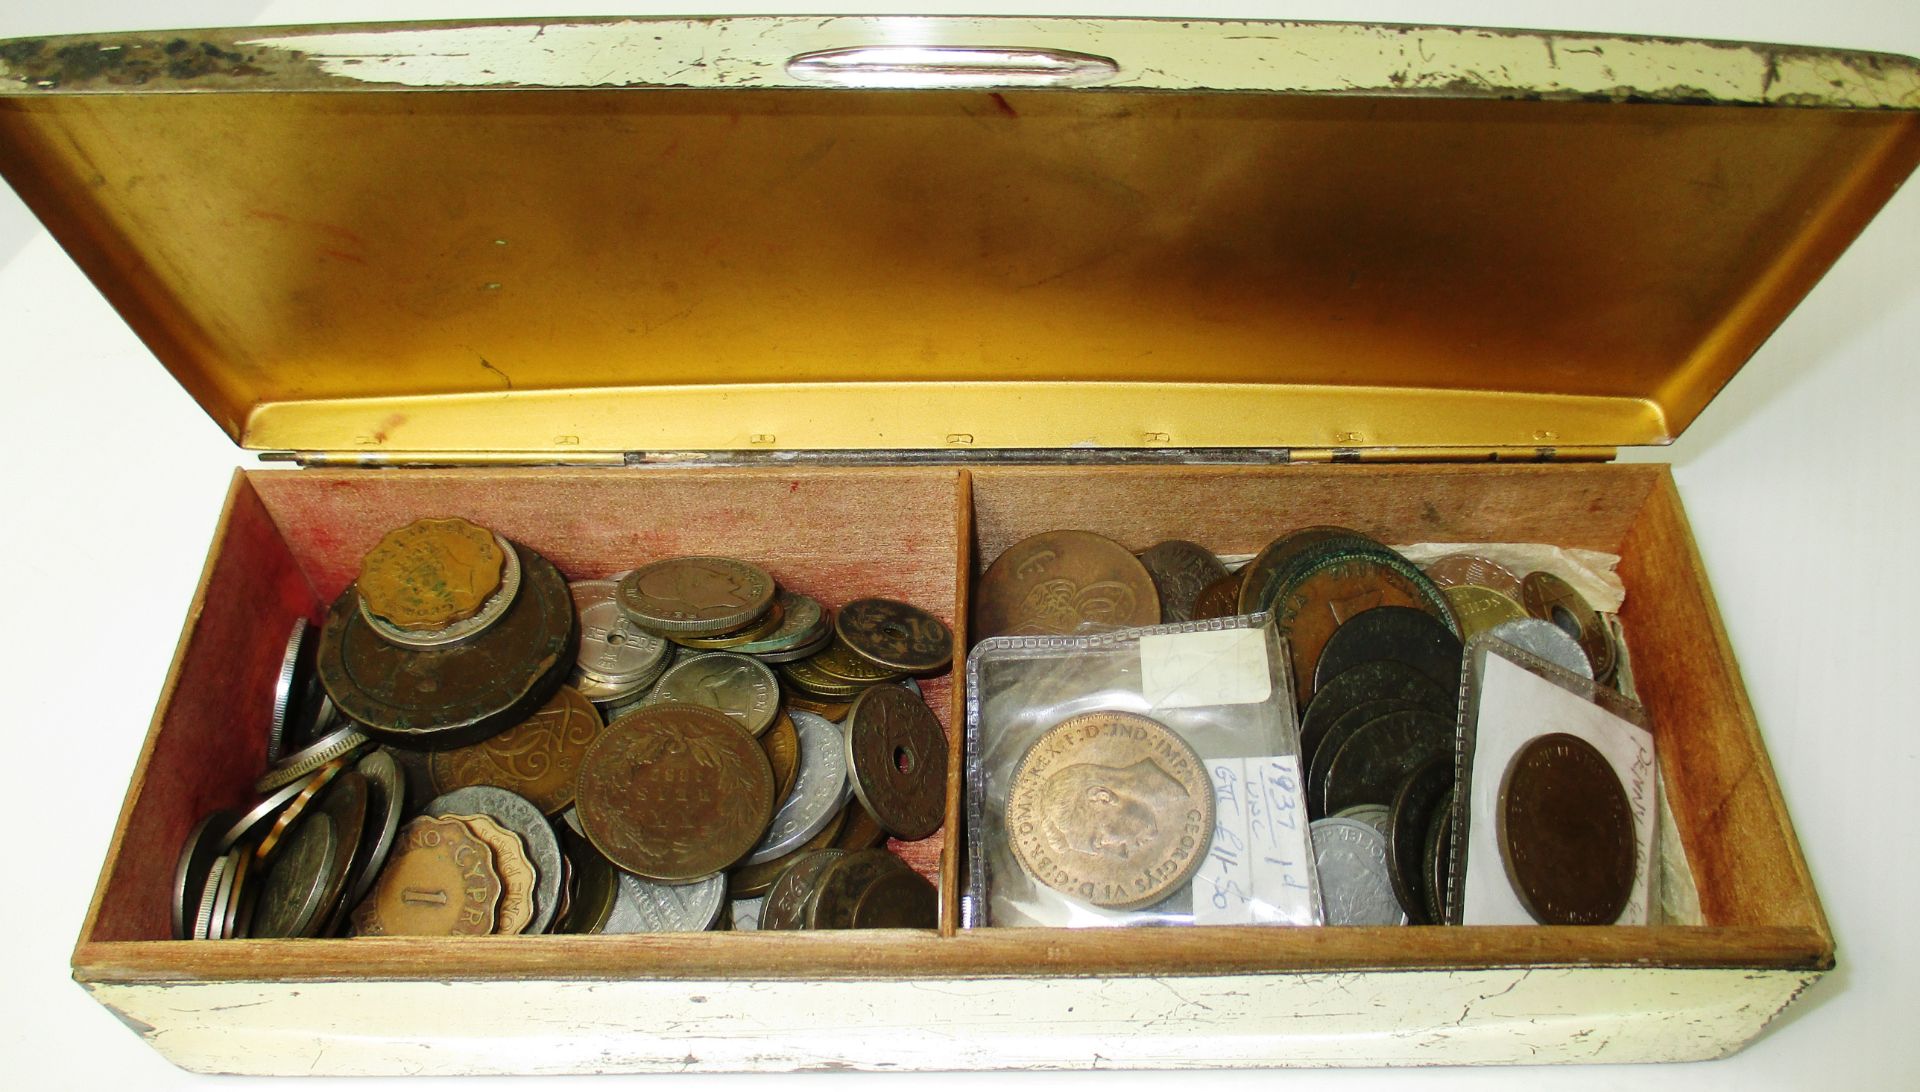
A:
755	233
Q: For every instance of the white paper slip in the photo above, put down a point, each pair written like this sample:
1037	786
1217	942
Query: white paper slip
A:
1206	667
1259	870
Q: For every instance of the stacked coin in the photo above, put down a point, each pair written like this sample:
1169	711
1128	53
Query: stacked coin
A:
618	661
1540	613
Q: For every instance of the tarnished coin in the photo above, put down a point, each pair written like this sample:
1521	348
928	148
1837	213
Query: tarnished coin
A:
1332	586
431	572
522	817
1382	679
761	627
696	596
675	792
296	808
461	629
517	877
803	625
811	679
835	711
341	743
819	792
897	761
845	666
837	890
1565	829
782	744
1414	805
197	854
1413	637
644	906
1220	599
1461	570
1314	763
1112	809
387	805
862	830
596	886
1059	581
1547	641
347	805
615	654
1551	599
212	896
1180	571
297	695
894	636
1369	766
296	881
449	697
1439	851
536	758
1261	578
749	880
1374	815
1479	609
1355	888
901	899
740	686
786	901
440	881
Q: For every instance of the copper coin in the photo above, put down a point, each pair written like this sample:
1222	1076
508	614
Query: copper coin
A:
536	758
841	883
1331	587
518	879
1180	571
1369	766
1551	599
747	880
1415	804
894	636
519	815
296	880
740	686
1111	809
431	572
1480	609
758	629
902	899
835	711
1380	680
897	761
1220	599
1058	582
434	699
296	808
695	596
197	855
793	889
675	792
862	830
1565	829
843	666
441	881
1456	570
782	744
1262	577
595	886
1413	637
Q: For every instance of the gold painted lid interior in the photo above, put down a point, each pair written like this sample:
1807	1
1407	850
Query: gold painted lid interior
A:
625	235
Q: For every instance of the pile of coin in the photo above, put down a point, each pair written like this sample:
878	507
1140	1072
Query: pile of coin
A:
432	772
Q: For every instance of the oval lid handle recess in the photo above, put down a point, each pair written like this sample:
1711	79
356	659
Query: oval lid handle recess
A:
903	66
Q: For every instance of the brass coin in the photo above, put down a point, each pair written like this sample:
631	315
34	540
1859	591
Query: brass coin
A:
1479	609
1566	834
748	881
517	876
793	889
434	699
431	572
806	677
696	596
894	636
897	761
1180	571
441	881
1059	581
1220	599
740	686
536	758
1551	599
1330	586
1111	809
297	807
1461	570
835	711
803	622
296	880
464	628
758	629
675	792
340	744
782	744
842	665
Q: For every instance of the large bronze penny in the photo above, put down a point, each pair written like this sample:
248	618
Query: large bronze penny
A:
1565	829
1060	581
895	636
1324	592
536	758
1551	599
1369	766
901	899
740	686
675	792
1220	599
1262	577
897	761
1112	809
440	881
431	573
1181	570
1317	760
1380	680
695	596
793	889
1415	807
837	890
1413	637
434	699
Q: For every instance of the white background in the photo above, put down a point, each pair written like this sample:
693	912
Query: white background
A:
1799	480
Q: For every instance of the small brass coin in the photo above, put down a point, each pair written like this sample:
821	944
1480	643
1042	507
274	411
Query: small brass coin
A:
1415	807
519	815
893	636
794	888
431	573
675	792
1181	570
901	899
441	881
838	888
536	758
296	881
517	877
835	711
1551	599
843	666
740	686
748	881
1060	581
1565	829
805	677
1463	570
896	757
695	596
782	744
1111	809
1220	599
1480	609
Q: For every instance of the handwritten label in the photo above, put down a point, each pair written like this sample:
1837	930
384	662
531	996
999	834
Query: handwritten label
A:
1210	667
1259	870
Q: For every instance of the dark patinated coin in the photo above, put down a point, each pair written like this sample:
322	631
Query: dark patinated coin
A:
901	899
1314	763
793	889
1413	637
434	699
1375	681
1439	855
897	761
536	758
696	596
1369	767
1057	582
861	831
804	624
595	886
895	636
1220	599
1181	570
295	886
1423	792
346	806
1262	576
386	807
1565	829
1551	599
197	854
841	883
1332	584
782	744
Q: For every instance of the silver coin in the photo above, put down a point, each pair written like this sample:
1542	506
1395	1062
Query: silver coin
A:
1376	816
283	690
819	789
296	766
739	686
490	611
389	790
203	846
1545	640
210	896
516	813
643	906
226	916
260	817
1355	886
612	649
572	819
746	914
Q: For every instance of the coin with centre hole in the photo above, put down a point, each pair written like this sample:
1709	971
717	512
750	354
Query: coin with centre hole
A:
740	686
897	760
696	596
894	636
1058	582
612	647
1566	834
537	758
1180	570
1551	599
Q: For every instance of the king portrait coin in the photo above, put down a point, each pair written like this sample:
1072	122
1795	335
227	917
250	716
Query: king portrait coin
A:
740	686
697	596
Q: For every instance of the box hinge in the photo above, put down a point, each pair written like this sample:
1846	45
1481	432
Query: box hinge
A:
1454	454
1069	456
